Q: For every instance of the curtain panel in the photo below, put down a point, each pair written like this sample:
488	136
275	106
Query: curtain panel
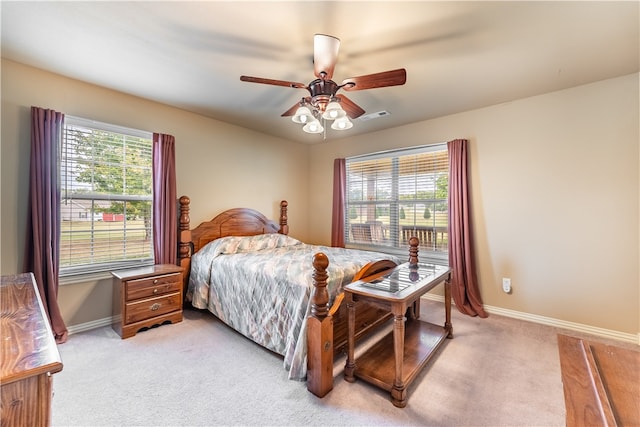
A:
464	283
339	202
165	220
42	257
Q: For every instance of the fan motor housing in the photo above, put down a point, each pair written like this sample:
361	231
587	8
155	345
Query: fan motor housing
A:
323	87
322	92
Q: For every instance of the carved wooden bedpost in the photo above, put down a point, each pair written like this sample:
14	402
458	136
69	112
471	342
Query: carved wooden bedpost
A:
414	310
413	250
284	226
184	240
320	332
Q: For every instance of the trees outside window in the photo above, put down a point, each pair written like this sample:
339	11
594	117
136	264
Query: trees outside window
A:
106	197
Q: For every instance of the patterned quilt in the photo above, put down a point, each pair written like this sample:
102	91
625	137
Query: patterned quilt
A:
261	285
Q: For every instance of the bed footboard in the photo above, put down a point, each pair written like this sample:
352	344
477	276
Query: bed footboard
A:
327	327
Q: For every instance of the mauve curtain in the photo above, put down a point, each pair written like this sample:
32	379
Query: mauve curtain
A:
42	249
464	283
165	222
339	190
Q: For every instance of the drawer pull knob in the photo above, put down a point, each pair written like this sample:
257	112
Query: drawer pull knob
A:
155	306
155	291
155	281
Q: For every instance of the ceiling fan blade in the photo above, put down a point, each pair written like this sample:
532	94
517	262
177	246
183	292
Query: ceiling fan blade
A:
325	54
350	107
386	78
272	82
291	111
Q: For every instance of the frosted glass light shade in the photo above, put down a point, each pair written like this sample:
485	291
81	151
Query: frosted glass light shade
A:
333	111
313	126
343	123
303	115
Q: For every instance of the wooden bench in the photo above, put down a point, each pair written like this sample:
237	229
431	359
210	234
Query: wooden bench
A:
601	383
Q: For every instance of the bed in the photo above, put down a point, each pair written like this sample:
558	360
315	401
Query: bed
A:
281	293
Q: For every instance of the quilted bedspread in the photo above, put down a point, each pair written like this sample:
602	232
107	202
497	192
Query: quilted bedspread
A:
261	285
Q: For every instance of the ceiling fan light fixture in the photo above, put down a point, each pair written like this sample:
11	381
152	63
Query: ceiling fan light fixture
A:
342	123
333	111
313	126
323	104
302	115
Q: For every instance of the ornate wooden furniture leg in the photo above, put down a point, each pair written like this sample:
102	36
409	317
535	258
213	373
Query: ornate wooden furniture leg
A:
399	391
184	242
284	226
320	333
447	307
414	310
350	365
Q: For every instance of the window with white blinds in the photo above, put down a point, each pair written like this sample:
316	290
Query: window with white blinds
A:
106	197
392	196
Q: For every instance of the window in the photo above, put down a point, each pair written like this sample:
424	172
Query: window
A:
394	195
106	197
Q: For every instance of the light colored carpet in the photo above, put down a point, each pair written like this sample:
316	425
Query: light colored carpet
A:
495	372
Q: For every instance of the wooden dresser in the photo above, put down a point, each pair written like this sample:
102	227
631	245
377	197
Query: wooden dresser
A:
145	297
28	354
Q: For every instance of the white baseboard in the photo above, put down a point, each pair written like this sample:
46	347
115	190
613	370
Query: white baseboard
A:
549	321
74	329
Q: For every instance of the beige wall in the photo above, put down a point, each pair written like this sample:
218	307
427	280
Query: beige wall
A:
555	187
219	166
555	199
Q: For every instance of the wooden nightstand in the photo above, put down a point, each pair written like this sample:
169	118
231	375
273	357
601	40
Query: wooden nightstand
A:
146	296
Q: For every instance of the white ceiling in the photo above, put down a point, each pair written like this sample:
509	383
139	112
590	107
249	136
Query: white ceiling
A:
458	55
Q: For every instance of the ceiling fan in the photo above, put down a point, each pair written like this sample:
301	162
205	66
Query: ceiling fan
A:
323	102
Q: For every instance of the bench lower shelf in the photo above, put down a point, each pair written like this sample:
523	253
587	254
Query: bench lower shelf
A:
377	364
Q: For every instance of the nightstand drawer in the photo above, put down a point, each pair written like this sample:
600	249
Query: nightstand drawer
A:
152	307
153	286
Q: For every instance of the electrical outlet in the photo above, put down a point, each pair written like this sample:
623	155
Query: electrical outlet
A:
506	284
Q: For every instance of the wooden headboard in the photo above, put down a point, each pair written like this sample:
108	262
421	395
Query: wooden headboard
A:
232	222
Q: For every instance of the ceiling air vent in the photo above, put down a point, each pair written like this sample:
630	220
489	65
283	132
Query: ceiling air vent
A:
374	115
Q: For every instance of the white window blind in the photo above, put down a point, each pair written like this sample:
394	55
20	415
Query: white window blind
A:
392	196
106	197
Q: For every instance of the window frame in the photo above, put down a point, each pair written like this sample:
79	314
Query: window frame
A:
100	269
393	244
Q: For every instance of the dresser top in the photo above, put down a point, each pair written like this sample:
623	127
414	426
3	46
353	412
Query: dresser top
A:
27	346
151	270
